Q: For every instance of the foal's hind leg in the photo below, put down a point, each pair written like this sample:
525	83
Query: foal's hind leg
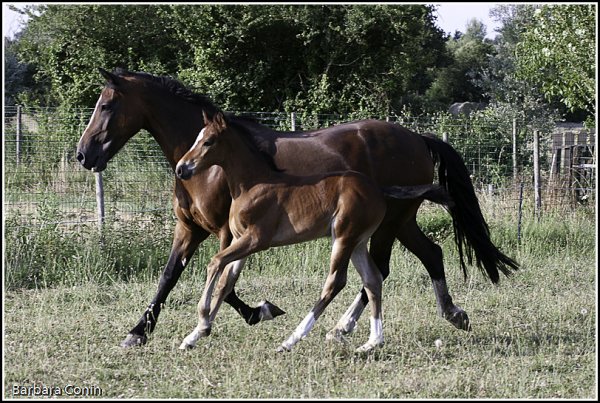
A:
380	250
335	282
430	255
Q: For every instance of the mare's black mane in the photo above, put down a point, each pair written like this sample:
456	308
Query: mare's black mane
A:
174	87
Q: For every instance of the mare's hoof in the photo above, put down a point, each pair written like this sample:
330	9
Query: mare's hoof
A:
274	310
459	319
134	340
264	311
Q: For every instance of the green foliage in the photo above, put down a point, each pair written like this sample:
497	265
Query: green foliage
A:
45	253
67	44
457	81
558	54
504	82
283	57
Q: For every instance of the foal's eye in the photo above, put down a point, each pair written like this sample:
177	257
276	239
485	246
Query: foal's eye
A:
208	142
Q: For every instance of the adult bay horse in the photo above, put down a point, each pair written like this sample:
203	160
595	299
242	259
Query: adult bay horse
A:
388	153
273	208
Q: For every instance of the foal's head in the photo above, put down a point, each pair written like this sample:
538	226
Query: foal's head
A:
204	152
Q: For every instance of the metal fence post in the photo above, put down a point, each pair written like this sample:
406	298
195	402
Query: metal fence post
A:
293	121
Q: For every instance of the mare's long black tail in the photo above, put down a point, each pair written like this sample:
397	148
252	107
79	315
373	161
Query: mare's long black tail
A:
471	232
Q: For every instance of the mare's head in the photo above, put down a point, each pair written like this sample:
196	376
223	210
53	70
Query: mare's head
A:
207	149
116	118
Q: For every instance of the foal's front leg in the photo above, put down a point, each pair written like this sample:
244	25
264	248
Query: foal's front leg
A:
236	252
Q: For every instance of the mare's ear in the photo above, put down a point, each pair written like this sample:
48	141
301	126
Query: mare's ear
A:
112	80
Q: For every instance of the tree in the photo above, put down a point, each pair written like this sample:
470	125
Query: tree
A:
320	58
509	94
67	43
323	58
558	54
17	76
469	54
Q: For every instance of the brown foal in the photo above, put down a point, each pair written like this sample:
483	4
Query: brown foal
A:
272	208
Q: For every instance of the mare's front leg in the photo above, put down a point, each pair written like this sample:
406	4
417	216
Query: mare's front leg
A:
185	242
234	253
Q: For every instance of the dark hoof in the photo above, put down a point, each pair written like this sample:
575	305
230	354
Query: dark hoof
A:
275	310
459	319
264	311
134	340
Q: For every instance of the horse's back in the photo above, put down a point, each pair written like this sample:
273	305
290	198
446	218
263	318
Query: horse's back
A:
386	152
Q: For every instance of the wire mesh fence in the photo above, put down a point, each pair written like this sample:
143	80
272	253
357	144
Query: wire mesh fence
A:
45	184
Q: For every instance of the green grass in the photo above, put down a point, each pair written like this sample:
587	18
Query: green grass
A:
534	335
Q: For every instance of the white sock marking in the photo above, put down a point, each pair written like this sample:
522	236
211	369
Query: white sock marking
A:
301	331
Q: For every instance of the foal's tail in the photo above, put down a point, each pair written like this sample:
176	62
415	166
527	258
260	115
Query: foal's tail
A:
471	232
433	193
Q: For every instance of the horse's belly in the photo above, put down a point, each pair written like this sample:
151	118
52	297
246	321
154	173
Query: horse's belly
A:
288	234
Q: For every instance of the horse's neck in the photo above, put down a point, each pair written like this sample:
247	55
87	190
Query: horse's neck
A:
174	124
244	168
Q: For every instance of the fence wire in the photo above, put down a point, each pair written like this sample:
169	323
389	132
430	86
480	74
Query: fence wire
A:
45	184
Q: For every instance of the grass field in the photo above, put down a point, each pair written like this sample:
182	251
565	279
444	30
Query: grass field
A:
534	335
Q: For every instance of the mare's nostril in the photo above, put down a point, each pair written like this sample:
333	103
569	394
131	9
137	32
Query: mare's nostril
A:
80	157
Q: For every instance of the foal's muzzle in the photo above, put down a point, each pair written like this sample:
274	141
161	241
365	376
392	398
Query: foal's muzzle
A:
183	171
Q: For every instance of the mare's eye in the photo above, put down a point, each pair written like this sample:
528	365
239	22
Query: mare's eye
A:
106	107
208	142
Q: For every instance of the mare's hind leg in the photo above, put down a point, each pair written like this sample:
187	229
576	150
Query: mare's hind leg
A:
335	282
185	243
380	250
431	256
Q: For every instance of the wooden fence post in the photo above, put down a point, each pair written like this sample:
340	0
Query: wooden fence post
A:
293	121
19	133
514	140
99	198
536	174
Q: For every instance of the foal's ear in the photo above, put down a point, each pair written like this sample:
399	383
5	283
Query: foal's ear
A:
219	121
112	80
